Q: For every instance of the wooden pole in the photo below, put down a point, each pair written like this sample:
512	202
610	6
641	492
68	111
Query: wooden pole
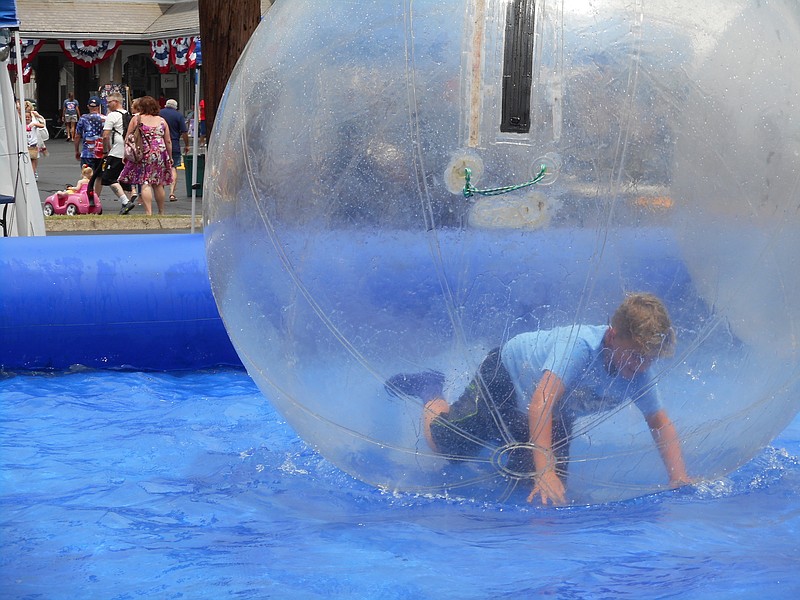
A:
225	28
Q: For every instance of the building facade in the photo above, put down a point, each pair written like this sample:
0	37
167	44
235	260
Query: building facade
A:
81	46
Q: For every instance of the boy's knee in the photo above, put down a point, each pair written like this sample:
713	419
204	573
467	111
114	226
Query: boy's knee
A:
436	407
432	411
447	437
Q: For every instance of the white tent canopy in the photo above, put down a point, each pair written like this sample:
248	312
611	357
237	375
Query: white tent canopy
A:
20	206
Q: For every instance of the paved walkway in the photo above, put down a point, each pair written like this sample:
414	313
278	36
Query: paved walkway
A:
59	169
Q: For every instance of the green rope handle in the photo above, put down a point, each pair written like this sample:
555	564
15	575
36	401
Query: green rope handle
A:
470	190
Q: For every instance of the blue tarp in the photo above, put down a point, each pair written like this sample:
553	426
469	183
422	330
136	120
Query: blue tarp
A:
8	14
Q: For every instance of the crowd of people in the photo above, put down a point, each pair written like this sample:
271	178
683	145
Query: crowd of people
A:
99	135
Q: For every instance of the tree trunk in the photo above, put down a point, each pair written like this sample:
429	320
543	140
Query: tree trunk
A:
225	28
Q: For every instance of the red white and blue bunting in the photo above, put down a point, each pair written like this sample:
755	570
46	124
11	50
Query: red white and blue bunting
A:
183	53
87	53
159	51
180	53
30	48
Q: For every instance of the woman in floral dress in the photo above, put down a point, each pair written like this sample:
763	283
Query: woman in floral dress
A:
154	171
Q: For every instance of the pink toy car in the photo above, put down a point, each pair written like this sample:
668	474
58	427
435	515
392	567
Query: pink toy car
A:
74	203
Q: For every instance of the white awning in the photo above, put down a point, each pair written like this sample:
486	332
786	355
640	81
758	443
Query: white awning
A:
112	19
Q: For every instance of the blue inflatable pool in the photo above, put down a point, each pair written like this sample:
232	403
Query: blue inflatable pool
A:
109	301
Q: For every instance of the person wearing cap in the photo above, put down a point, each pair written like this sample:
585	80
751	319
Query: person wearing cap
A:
88	133
177	131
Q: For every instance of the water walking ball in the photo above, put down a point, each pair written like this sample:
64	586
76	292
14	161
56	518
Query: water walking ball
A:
399	187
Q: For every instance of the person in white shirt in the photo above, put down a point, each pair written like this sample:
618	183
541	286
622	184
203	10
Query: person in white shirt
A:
114	146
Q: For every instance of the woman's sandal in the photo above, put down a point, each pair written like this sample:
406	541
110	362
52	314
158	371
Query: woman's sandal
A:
173	198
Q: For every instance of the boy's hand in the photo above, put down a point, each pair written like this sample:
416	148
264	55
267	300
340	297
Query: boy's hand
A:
682	481
550	488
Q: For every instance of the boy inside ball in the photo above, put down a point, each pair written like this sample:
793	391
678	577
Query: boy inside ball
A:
528	393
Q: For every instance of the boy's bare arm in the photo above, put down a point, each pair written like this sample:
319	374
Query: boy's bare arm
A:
669	446
540	420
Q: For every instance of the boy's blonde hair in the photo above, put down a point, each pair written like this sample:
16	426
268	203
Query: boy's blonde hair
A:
643	319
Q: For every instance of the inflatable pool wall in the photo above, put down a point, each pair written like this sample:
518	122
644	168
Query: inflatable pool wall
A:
109	301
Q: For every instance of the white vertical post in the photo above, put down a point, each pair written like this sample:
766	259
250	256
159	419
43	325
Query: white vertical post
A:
195	144
20	90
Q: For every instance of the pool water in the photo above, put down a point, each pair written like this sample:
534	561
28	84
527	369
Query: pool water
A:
119	485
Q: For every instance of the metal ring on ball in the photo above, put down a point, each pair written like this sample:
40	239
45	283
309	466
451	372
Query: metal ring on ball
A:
501	460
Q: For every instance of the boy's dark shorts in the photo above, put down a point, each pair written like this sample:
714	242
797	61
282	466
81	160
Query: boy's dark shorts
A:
93	163
110	174
486	414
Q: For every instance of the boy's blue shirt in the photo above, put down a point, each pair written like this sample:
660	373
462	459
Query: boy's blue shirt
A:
90	128
574	354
